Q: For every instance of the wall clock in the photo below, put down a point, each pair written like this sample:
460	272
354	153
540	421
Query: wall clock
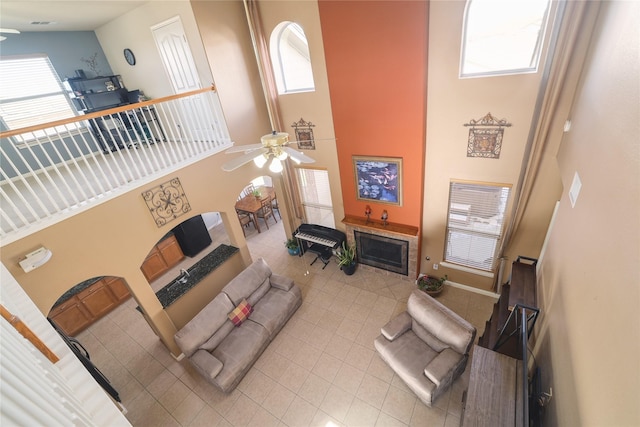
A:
166	201
129	56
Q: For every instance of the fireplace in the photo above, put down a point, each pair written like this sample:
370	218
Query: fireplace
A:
387	248
383	252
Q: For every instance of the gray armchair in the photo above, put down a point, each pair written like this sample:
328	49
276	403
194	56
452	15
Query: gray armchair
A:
427	346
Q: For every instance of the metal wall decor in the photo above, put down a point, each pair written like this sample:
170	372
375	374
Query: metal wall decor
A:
166	201
485	137
304	134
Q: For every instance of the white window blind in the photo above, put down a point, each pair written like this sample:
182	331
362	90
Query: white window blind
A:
31	94
315	194
475	223
502	37
291	59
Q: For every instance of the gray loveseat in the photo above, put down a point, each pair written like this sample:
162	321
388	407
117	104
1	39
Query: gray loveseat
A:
427	346
223	352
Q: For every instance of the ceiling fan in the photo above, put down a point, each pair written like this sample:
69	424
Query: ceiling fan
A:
272	145
7	31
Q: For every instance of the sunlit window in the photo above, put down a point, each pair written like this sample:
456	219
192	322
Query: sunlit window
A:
32	94
291	59
502	37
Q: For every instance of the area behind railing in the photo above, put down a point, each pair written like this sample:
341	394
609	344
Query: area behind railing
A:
58	169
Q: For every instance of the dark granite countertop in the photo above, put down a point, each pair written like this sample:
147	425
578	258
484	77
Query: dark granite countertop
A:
174	290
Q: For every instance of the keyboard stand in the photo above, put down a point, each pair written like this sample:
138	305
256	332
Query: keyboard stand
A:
323	253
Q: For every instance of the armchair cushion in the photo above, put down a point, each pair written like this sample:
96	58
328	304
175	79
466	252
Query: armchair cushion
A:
441	368
397	326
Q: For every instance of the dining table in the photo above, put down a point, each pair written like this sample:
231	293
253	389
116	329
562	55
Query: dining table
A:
251	204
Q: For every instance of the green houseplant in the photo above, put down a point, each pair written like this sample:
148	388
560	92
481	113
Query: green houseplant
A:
347	258
430	284
292	246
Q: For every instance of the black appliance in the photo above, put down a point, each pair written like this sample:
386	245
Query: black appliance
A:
192	236
83	355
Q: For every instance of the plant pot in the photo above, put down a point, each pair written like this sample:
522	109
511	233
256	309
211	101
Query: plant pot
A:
348	269
433	287
293	251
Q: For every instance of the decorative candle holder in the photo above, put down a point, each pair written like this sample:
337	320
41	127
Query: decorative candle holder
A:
384	217
367	212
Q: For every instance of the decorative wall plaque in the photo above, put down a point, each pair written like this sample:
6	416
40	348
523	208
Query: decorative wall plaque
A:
304	134
166	201
485	137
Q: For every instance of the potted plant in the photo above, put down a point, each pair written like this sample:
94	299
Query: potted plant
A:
347	258
292	246
432	285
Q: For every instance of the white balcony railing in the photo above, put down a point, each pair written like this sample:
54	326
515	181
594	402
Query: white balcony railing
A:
51	171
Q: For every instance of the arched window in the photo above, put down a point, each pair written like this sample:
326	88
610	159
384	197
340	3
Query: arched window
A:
291	59
502	37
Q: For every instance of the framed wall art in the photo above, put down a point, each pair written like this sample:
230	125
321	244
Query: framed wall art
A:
166	201
485	137
378	179
304	134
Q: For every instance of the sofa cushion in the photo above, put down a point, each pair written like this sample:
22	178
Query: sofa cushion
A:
205	324
238	351
441	322
248	281
275	308
240	313
427	337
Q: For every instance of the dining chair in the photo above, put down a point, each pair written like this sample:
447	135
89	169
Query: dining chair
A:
245	219
274	204
248	190
266	211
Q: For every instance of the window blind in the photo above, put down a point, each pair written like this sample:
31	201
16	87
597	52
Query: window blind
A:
475	223
315	194
31	93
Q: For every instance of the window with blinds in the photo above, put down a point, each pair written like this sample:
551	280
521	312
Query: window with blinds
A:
315	194
32	94
475	223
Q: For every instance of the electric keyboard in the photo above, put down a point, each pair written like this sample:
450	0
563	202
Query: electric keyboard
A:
310	234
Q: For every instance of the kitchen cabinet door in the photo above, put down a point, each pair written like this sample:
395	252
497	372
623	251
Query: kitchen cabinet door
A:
170	251
118	288
97	299
71	316
154	266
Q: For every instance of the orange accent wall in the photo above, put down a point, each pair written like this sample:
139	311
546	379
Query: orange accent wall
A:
376	55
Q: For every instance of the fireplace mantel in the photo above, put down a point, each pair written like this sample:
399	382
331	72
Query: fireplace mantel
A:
397	231
406	230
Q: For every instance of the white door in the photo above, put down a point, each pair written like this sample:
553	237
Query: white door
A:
181	69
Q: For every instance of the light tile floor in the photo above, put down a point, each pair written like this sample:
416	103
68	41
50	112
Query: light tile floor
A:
321	370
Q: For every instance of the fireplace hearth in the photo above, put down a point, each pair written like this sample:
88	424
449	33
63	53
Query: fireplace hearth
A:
382	252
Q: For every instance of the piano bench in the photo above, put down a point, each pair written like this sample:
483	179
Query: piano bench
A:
323	253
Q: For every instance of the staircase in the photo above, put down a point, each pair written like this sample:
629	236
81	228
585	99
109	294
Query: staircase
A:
517	305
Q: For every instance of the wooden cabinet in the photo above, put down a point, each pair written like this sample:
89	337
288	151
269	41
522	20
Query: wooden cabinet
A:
154	265
170	251
71	316
118	288
90	304
162	257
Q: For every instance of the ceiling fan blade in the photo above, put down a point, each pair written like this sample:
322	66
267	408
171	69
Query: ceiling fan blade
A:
296	155
243	148
241	160
9	31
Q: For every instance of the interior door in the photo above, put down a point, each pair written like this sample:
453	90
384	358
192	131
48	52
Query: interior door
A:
180	67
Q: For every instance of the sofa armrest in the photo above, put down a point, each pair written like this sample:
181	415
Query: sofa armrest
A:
207	363
397	326
281	282
442	366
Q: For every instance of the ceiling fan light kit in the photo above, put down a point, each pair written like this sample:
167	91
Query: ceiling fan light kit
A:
273	145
